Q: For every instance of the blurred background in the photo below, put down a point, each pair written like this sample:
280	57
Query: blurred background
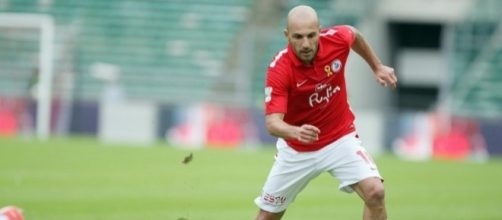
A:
190	73
154	109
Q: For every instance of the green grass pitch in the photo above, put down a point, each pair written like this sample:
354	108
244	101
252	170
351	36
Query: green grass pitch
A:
69	179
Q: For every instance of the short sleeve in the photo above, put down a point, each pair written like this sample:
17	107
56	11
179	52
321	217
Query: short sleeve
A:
276	92
277	84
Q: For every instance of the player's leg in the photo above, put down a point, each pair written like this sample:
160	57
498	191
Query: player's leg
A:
353	166
289	175
264	215
371	190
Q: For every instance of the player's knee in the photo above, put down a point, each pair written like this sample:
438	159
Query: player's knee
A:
375	195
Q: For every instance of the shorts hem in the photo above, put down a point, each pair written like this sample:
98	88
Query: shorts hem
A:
347	186
268	208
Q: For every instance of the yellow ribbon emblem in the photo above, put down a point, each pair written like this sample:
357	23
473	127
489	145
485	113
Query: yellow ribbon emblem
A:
327	69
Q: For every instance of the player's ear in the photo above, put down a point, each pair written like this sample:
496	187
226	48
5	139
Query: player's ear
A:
286	33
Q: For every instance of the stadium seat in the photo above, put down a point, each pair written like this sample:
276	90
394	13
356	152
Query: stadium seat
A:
477	62
165	49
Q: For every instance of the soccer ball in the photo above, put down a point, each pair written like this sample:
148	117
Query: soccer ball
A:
11	213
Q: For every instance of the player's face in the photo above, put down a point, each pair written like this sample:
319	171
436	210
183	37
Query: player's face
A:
304	37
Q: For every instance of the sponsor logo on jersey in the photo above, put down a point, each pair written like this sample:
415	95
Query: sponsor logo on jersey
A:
323	93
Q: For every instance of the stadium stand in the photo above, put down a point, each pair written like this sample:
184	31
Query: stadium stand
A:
17	61
177	50
477	62
167	51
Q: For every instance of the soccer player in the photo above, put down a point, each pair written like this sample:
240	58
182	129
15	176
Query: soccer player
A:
307	109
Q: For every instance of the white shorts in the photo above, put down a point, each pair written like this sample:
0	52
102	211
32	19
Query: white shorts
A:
345	159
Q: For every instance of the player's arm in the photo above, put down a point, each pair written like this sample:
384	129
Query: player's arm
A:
383	74
276	126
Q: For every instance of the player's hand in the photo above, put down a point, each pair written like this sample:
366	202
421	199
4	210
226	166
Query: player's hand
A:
386	77
307	133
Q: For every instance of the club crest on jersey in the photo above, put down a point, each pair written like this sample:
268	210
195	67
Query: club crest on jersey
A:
336	66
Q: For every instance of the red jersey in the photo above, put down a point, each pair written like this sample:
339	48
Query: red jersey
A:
313	94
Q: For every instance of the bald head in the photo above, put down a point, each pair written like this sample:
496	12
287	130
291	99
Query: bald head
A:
303	32
302	15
